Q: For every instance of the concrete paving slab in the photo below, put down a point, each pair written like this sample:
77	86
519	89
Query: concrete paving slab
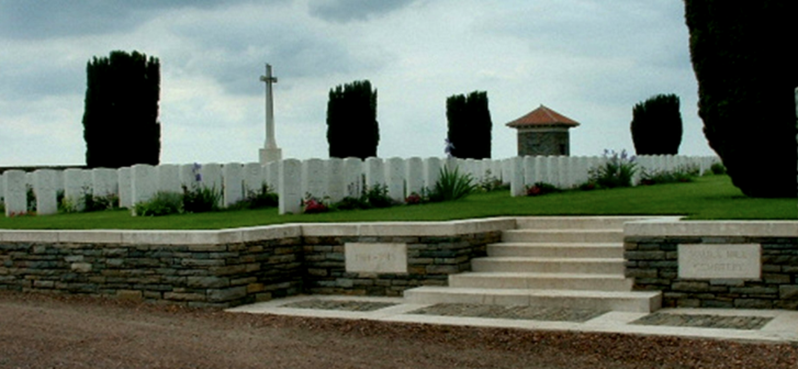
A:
782	328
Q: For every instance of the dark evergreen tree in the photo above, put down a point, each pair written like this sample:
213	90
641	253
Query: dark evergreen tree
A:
469	125
657	126
120	119
352	127
746	79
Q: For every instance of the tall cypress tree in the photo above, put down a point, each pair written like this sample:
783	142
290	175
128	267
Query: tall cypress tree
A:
746	79
657	126
120	119
352	127
469	125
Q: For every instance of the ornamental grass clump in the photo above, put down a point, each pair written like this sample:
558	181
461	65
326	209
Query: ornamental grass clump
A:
617	170
162	203
452	185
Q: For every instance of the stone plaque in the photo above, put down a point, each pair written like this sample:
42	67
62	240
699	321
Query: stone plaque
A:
720	261
376	257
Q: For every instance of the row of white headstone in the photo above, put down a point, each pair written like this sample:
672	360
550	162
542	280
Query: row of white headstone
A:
294	180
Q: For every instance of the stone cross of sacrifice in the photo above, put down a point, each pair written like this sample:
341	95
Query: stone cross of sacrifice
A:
269	79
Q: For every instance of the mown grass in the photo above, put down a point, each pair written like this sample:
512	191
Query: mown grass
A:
711	197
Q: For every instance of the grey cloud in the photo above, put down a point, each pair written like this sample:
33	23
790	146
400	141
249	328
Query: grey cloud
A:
352	10
235	52
40	19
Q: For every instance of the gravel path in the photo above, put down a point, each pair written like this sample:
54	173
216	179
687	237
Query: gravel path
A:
42	331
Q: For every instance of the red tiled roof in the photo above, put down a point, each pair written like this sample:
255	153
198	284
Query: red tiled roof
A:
543	116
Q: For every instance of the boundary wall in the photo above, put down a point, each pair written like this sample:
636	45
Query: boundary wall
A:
293	179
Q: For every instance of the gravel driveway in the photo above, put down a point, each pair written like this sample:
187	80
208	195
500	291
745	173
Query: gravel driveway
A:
58	331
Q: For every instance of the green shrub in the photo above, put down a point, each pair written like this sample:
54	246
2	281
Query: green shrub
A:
370	197
162	203
264	197
200	199
452	185
717	168
617	171
491	183
683	173
30	197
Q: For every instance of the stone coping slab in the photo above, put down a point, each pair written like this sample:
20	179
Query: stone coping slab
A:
676	228
205	237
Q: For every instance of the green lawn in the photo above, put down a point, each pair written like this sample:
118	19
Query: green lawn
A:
711	197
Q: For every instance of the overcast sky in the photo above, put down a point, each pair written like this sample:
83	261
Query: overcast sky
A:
589	60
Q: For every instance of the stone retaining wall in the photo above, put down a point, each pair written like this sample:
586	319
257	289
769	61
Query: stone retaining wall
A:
651	250
430	260
232	267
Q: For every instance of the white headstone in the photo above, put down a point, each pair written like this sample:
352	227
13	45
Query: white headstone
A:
168	178
530	173
395	179
542	169
563	168
290	186
271	173
2	187
353	177
507	170
375	172
414	175
104	182
336	186
233	183
211	176
16	192
516	168
432	172
253	178
125	187
189	175
144	183
77	183
44	187
314	178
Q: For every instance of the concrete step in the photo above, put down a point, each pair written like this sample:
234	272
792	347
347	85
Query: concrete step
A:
644	302
541	281
549	265
563	236
610	222
553	249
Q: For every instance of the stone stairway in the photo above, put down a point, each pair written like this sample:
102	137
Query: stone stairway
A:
573	262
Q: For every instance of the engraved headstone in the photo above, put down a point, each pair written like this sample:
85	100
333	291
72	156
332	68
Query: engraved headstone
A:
104	182
353	177
168	178
335	179
414	174
44	187
253	178
15	196
432	172
144	183
125	187
314	178
395	178
290	186
375	172
233	176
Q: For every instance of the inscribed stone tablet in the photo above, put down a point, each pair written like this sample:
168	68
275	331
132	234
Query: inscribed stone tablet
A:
376	257
715	261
